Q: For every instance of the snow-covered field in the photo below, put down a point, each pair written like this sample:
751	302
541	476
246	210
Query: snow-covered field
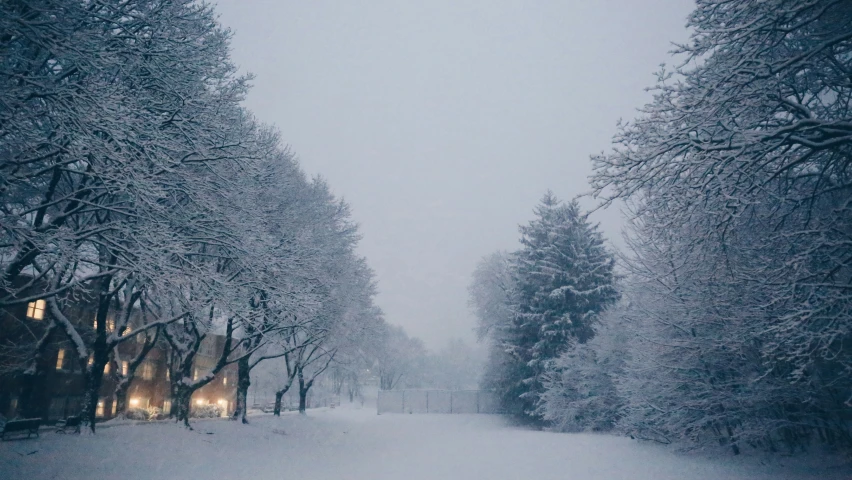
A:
349	443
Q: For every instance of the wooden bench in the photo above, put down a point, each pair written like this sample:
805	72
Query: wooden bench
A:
28	425
71	424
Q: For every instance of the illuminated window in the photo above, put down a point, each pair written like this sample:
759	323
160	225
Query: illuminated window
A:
147	371
60	359
110	325
114	406
91	360
167	406
168	374
124	367
35	310
200	401
99	412
134	402
225	380
107	367
194	374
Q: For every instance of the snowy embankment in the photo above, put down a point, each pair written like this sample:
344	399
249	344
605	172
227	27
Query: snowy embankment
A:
350	443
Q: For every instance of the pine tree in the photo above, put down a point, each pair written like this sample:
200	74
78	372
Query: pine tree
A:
564	279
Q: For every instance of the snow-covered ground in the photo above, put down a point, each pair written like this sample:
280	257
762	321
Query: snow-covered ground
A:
351	443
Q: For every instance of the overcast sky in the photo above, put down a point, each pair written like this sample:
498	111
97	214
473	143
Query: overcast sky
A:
443	122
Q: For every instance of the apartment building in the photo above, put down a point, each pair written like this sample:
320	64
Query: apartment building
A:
57	392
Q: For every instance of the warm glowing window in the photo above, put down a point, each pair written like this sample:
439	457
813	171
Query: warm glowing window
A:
114	406
107	367
110	325
35	310
194	374
225	380
147	371
60	359
167	406
99	412
124	367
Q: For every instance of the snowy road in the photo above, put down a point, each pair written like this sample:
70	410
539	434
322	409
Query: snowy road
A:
354	444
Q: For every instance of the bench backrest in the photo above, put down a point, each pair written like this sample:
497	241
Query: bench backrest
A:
23	424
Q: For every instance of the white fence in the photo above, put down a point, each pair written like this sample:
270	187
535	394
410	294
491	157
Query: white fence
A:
437	401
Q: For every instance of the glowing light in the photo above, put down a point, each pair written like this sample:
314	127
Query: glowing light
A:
134	402
200	401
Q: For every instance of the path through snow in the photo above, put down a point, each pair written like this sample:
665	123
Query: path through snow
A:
354	444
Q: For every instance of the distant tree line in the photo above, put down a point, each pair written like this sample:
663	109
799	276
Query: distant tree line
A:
735	318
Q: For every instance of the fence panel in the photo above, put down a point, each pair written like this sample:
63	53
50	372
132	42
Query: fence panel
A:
440	401
465	401
390	401
416	401
488	403
436	401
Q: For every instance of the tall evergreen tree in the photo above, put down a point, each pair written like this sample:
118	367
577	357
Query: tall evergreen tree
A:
564	279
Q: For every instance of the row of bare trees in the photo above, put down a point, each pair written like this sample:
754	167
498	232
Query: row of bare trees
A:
132	179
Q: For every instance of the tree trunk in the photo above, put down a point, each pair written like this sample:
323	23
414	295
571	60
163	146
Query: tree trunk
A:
181	404
93	375
121	398
303	393
26	402
92	386
243	384
277	409
34	375
303	403
31	381
92	379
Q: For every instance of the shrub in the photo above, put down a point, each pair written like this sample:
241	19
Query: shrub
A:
154	413
136	413
207	411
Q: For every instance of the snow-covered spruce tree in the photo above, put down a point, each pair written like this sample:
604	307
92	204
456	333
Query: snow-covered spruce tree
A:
563	280
742	160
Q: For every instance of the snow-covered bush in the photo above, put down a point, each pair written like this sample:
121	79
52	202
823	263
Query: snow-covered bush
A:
154	413
137	413
580	386
207	411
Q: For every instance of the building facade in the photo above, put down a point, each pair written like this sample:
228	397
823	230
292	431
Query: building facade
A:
56	392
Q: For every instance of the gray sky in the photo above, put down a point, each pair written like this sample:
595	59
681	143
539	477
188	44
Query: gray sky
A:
443	122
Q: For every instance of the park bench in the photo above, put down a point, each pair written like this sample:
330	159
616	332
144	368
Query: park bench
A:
28	425
71	424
